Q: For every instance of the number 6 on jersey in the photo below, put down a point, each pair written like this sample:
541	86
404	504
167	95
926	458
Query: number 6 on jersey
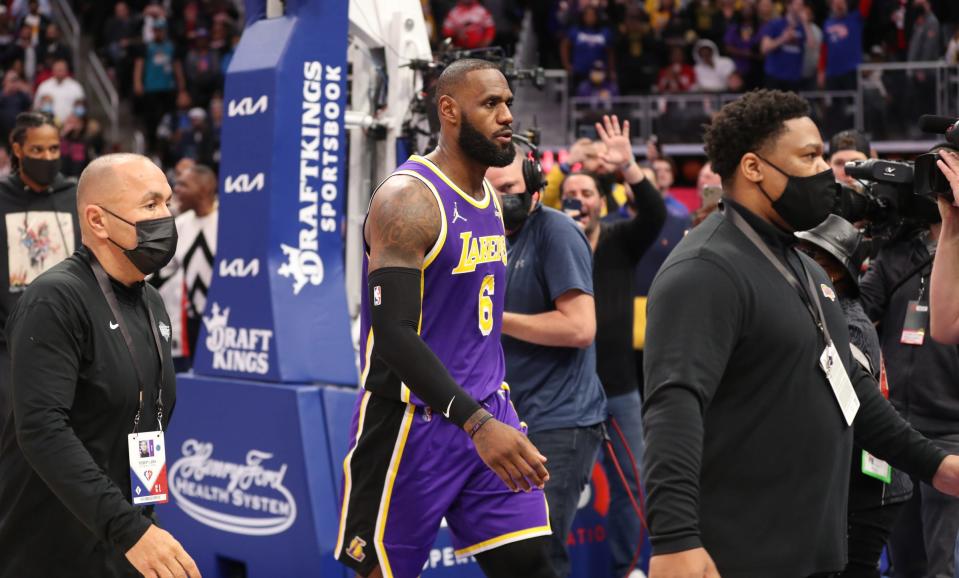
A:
486	305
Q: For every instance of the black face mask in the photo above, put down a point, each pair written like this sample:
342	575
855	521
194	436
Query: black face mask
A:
515	210
806	201
41	171
156	243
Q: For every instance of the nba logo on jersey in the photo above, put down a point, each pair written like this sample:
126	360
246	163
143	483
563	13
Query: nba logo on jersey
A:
377	296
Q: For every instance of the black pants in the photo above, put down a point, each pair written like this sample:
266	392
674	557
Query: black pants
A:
923	541
868	533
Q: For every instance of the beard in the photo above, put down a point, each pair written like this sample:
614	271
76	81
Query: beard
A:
482	149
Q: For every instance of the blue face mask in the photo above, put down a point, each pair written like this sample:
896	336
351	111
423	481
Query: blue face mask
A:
80	111
46	108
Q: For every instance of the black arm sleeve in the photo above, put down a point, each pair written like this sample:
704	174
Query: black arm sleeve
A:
396	309
45	350
644	228
883	432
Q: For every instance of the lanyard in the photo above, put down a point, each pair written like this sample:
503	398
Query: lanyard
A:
808	294
111	298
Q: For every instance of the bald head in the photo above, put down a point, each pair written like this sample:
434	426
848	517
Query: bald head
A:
128	184
110	177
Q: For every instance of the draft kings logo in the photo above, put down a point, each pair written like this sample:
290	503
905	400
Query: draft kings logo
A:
239	349
246	497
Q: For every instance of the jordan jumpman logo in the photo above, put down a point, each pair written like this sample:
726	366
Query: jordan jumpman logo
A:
456	213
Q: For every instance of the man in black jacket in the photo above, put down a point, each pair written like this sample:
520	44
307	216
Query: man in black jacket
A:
617	248
750	383
90	351
922	386
38	221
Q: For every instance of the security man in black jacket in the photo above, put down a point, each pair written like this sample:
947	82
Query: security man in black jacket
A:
750	384
91	364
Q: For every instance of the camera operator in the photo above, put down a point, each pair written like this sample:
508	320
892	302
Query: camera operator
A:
876	491
944	287
617	247
549	326
921	375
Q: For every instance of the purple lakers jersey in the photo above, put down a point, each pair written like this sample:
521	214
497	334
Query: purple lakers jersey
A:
463	287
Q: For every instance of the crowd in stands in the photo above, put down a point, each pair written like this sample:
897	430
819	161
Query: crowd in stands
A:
37	75
167	60
612	47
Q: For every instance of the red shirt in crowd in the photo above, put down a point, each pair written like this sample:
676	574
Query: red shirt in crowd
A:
470	25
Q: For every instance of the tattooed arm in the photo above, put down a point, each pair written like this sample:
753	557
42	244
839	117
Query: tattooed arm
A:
403	223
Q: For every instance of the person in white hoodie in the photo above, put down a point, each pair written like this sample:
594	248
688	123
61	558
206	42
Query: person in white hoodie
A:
712	69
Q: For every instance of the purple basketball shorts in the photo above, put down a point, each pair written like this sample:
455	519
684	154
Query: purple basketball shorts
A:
407	469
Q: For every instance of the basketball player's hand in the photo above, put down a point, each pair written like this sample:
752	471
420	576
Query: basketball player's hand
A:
157	553
511	456
686	564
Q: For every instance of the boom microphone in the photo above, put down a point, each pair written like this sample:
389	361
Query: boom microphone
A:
931	123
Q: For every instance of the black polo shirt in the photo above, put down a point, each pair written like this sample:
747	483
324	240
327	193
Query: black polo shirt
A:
65	507
747	452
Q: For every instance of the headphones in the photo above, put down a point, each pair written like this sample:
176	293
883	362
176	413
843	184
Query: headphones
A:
533	177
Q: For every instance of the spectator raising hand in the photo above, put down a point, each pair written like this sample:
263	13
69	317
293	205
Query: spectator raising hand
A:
619	149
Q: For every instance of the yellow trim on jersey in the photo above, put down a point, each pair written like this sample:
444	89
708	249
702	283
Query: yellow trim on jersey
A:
348	482
469	198
369	357
503	540
522	423
388	493
441	239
